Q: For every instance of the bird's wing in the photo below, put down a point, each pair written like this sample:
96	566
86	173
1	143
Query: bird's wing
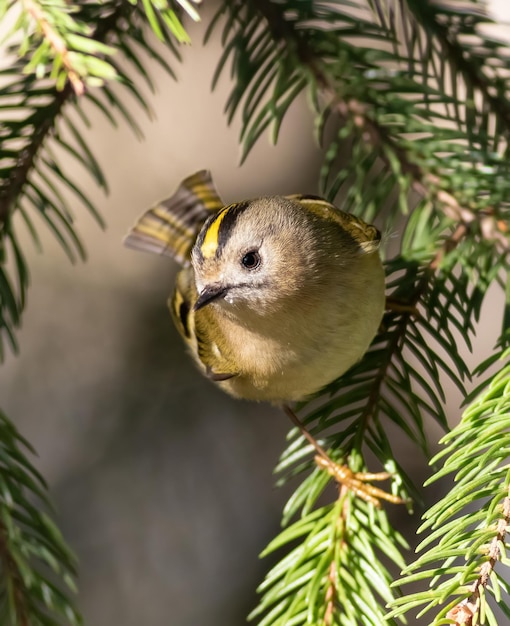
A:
171	226
366	235
198	328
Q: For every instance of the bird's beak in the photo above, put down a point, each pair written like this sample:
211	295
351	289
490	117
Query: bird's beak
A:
208	294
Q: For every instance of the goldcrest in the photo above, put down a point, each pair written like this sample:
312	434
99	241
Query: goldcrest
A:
277	296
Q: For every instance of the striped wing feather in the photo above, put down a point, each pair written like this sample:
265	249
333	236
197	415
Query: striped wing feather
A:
198	328
366	235
171	226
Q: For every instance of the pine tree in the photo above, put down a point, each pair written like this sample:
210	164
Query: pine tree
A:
417	93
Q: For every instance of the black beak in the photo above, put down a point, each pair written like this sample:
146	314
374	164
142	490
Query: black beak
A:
208	294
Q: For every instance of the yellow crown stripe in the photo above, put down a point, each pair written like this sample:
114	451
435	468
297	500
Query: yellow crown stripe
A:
210	242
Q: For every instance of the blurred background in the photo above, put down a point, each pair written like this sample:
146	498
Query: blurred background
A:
162	484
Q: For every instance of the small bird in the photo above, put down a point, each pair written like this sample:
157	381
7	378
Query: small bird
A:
277	296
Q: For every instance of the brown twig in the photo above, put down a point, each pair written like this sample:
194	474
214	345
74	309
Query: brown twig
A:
341	543
330	594
464	611
57	44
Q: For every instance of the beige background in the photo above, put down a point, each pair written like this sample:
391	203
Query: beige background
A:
163	485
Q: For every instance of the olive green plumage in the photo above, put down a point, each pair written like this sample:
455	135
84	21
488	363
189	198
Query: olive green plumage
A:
277	297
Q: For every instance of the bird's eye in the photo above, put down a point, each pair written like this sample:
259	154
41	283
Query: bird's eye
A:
251	260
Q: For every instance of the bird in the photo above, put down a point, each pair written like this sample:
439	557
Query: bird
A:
277	296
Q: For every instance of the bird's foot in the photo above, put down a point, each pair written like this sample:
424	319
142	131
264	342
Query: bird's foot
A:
357	482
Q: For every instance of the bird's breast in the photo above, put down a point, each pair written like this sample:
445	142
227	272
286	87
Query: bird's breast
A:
294	351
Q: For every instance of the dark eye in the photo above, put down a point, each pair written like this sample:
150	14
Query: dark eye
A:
251	260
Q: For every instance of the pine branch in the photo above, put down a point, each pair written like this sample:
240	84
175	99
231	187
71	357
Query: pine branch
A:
360	116
38	570
349	110
335	569
468	527
305	54
30	176
106	24
56	37
57	44
465	611
432	18
36	566
43	104
12	187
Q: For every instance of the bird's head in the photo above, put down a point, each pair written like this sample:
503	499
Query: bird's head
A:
254	254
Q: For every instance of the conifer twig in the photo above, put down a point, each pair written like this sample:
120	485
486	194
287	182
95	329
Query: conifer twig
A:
56	43
339	539
44	126
425	13
19	174
464	611
425	183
